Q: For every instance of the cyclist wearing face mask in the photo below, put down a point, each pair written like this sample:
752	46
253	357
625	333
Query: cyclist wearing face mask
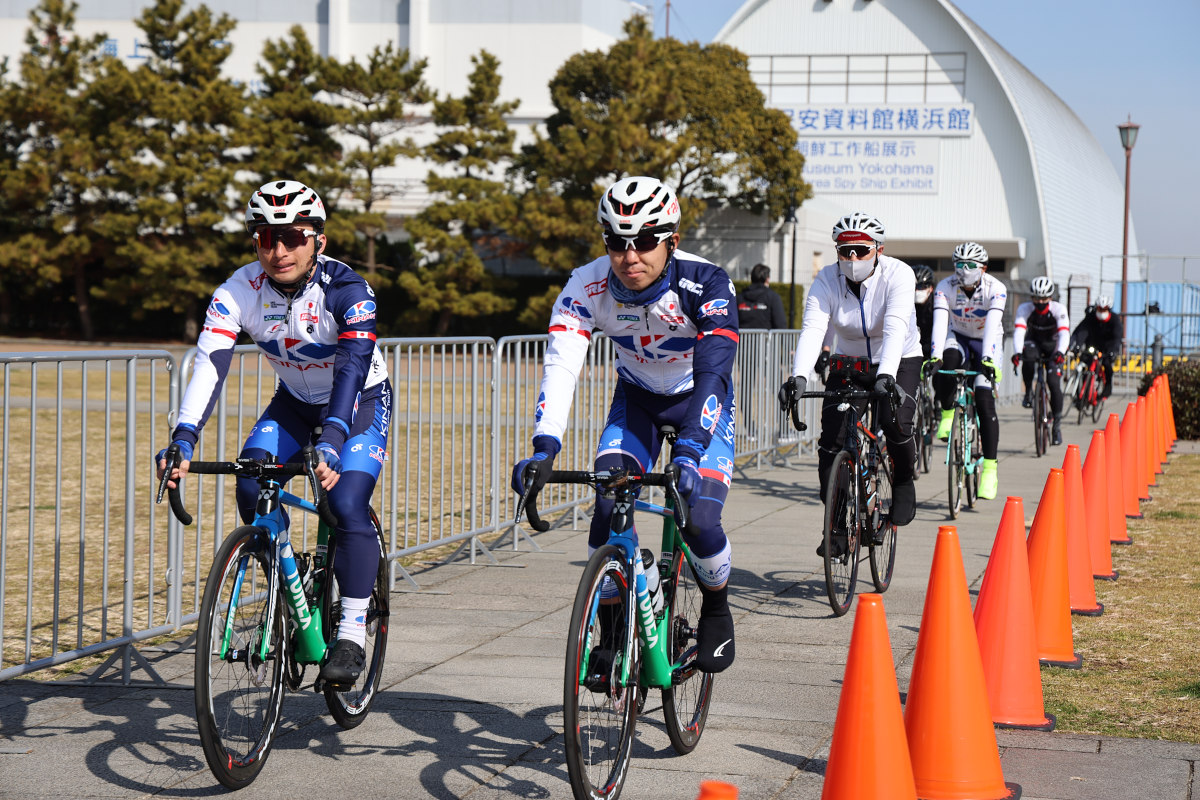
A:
1041	331
923	298
313	319
1103	330
867	300
968	330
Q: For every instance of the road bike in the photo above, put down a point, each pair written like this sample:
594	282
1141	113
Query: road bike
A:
1087	385
1043	413
267	613
858	495
619	645
925	423
964	450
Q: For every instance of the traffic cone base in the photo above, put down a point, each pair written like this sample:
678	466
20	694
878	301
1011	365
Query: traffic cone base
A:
1051	721
1112	576
1090	612
1075	663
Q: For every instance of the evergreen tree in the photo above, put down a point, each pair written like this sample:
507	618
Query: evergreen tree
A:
464	224
373	106
686	113
186	130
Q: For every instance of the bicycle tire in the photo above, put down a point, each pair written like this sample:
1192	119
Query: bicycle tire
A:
349	707
928	432
238	696
686	701
954	465
919	435
841	514
882	547
599	720
972	456
1098	408
1039	420
1087	395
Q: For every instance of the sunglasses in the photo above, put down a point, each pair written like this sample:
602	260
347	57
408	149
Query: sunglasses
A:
643	242
967	265
290	237
855	250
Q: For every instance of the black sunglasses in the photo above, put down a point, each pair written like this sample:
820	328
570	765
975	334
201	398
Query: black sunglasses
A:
643	242
855	250
290	237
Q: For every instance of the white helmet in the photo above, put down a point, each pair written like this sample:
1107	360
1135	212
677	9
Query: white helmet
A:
1104	301
859	223
632	205
282	203
1041	287
970	251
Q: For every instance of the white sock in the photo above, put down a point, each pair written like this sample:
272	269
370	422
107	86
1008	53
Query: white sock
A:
354	620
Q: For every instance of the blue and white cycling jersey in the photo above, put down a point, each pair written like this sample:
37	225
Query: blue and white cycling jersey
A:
684	341
321	341
976	315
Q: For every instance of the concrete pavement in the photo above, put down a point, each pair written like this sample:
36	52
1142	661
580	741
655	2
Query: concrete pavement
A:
471	702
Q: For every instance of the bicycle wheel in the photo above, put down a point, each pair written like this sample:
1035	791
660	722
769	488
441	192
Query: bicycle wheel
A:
599	714
1086	393
926	432
972	459
349	708
1098	399
685	703
955	465
841	526
239	679
882	545
1040	440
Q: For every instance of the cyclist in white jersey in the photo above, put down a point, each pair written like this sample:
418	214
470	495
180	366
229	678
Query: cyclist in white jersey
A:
867	300
313	319
1041	331
968	330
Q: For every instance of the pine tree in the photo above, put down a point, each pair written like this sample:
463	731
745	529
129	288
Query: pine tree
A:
464	224
373	103
685	113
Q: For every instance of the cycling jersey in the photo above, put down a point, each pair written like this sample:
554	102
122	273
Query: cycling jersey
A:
684	341
975	315
320	341
879	322
1043	327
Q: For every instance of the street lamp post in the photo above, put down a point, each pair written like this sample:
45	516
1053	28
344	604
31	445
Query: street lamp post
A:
1129	132
791	217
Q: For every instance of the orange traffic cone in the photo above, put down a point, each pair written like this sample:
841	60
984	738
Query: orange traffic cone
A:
1047	547
1172	437
717	790
1081	587
869	754
1131	475
1156	440
1118	533
1143	448
1096	499
1004	626
1164	414
947	719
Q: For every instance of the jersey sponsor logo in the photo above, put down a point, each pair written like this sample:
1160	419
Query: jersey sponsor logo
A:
715	308
671	318
257	282
574	308
628	318
691	286
710	413
360	312
376	452
307	317
218	309
356	448
541	407
597	288
273	317
725	464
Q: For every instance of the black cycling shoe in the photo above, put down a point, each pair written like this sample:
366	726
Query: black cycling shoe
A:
345	664
840	546
714	635
904	503
1026	402
599	670
1056	435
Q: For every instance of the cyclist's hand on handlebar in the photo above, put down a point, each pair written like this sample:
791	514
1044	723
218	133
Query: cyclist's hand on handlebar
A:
989	369
822	362
689	478
185	437
1016	360
790	391
329	468
536	468
886	384
1059	358
930	366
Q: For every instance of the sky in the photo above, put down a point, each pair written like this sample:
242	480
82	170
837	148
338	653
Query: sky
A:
1108	61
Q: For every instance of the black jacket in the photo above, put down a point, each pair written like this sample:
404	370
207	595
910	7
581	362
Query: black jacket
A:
1104	336
760	306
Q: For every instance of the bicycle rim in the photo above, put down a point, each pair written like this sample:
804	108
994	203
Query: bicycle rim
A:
238	694
598	715
841	517
1098	408
685	703
1085	398
349	708
954	465
972	450
883	554
1039	423
927	432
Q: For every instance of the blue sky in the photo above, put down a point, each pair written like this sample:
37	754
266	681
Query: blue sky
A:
1107	60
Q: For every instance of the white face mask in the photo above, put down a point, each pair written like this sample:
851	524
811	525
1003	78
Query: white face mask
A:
922	295
1103	315
857	271
969	278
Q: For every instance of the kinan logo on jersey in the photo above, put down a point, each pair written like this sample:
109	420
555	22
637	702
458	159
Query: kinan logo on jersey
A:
360	312
715	308
710	413
217	309
574	309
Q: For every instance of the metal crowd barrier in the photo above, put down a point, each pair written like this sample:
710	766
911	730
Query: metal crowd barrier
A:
89	563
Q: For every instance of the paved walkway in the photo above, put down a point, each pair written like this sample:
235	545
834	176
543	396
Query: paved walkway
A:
471	705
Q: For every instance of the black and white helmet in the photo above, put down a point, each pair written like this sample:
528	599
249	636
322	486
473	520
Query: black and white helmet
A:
971	251
283	203
636	204
858	223
1042	288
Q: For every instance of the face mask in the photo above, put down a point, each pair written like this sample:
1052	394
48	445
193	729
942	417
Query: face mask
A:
1103	315
969	277
857	271
922	295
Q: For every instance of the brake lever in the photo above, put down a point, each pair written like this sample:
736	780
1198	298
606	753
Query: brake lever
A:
680	505
174	458
528	503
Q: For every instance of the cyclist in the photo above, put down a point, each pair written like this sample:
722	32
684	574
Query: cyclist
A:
1103	330
1041	330
866	299
313	318
968	310
923	298
672	318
